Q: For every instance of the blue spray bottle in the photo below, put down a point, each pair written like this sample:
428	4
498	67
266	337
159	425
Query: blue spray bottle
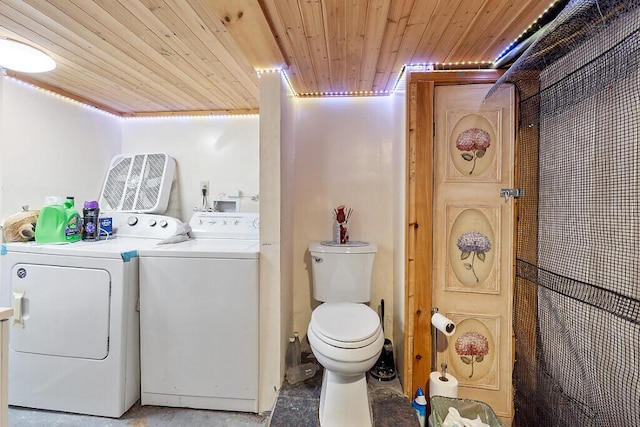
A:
420	406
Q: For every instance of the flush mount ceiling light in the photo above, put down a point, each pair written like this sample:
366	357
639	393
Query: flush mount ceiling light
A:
21	57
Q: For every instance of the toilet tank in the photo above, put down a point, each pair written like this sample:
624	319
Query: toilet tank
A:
342	272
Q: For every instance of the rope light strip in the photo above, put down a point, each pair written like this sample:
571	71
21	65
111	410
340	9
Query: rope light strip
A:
99	110
513	43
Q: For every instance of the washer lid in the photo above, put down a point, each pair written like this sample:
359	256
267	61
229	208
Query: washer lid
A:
342	324
205	248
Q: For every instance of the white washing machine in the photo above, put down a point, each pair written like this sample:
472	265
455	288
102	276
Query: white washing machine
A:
199	316
74	337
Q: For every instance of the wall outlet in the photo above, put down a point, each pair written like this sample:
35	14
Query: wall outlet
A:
204	186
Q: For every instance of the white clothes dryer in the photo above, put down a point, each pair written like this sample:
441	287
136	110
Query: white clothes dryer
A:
199	316
74	338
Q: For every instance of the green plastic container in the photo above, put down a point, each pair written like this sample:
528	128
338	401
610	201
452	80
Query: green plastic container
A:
58	222
466	407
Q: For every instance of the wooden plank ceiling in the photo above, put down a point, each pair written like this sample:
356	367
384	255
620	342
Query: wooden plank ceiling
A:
140	57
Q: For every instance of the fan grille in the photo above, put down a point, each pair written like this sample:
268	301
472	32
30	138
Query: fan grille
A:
151	180
138	183
132	184
115	184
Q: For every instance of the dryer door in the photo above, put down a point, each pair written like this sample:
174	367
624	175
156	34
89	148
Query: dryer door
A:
64	311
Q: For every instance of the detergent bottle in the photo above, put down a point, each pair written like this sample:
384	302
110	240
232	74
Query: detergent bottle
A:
73	226
58	222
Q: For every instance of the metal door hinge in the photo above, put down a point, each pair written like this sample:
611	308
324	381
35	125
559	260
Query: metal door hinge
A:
507	193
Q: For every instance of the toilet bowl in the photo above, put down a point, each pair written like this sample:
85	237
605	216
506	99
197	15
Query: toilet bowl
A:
346	339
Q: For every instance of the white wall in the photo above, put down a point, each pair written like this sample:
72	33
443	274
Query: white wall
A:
2	151
276	213
51	146
287	212
398	98
223	150
344	155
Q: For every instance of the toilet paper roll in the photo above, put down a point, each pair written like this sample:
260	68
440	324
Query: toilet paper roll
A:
438	387
443	324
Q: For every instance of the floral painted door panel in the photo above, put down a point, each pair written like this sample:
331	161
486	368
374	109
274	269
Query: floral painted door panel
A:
473	238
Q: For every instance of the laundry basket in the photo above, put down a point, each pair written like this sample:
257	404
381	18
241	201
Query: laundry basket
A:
466	407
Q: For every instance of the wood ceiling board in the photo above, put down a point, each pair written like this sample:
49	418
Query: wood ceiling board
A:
286	16
53	89
510	21
419	20
335	15
152	53
314	26
355	24
377	16
246	23
114	63
397	21
180	47
73	64
276	25
457	31
478	30
182	87
235	112
441	21
222	46
116	45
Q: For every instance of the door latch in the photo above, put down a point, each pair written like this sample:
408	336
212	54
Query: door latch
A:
511	192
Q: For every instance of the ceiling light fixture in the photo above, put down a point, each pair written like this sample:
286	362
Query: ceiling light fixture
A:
21	57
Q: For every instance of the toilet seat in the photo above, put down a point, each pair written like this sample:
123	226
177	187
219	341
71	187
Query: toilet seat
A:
345	325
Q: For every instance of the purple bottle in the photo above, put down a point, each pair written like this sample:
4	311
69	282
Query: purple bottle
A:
91	230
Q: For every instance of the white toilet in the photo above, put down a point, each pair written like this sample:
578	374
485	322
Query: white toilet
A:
345	334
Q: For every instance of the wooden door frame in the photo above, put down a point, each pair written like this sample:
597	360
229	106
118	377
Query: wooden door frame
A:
419	217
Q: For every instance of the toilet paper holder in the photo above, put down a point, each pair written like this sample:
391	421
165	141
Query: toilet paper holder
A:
443	372
447	326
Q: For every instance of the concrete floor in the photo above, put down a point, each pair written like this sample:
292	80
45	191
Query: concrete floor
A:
296	406
137	416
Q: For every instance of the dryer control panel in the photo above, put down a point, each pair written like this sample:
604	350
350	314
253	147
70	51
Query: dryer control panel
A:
225	225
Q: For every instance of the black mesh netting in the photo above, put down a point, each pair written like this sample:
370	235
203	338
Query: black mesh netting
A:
577	288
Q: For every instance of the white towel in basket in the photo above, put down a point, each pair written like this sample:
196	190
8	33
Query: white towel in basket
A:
454	419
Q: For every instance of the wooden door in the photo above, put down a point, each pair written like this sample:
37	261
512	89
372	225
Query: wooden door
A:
473	238
424	235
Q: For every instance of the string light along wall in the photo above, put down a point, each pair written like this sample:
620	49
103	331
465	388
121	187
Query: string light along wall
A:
108	113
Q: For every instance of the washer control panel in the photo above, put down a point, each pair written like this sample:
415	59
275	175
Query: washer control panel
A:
131	224
226	225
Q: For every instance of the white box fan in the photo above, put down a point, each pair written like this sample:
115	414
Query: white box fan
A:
138	183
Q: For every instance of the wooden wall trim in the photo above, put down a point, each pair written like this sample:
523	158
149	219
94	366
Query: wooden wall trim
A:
456	77
410	243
